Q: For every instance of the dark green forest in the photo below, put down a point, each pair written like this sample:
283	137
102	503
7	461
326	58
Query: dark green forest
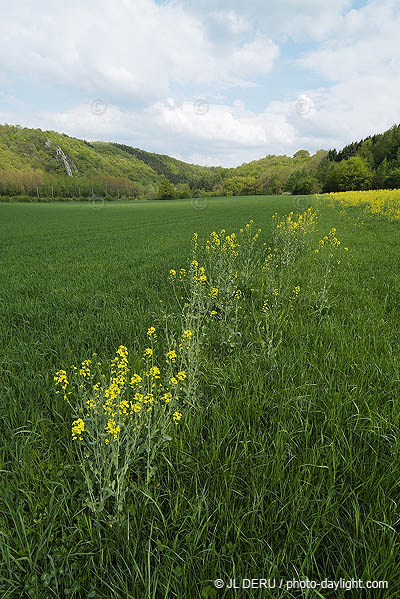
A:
36	164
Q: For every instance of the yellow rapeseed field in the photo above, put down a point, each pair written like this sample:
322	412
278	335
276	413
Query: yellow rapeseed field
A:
385	202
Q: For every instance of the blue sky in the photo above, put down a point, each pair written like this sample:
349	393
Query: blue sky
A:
205	81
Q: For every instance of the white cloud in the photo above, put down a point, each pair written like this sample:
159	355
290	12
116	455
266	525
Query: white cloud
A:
256	57
150	62
365	43
219	136
298	19
130	51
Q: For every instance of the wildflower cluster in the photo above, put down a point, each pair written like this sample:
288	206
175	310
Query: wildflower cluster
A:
211	287
328	254
384	203
297	226
279	299
122	403
290	234
271	261
78	427
61	382
232	284
222	242
331	243
123	420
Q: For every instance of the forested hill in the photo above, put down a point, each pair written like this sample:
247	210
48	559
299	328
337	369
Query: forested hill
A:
49	158
46	163
49	164
175	170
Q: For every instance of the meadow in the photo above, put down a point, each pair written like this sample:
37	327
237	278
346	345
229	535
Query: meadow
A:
286	464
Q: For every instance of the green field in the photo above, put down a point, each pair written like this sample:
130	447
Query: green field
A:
288	469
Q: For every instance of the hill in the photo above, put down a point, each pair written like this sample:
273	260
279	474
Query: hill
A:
32	157
370	163
47	163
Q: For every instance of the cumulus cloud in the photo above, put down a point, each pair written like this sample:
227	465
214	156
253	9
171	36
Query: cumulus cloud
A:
126	50
150	62
255	58
280	19
365	43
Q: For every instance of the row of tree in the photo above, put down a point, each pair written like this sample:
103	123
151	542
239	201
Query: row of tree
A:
373	163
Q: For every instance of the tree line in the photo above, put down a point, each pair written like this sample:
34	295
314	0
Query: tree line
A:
28	169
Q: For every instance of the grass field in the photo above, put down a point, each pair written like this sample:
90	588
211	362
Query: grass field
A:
289	467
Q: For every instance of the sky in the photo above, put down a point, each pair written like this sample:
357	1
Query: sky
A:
205	81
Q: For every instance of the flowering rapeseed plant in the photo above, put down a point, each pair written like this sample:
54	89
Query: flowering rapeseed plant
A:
122	421
384	202
290	234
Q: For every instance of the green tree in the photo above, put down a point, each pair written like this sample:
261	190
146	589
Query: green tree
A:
353	174
366	151
183	191
380	176
307	186
393	179
166	190
302	154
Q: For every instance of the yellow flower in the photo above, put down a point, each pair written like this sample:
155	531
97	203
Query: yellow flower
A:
78	427
85	368
148	352
177	416
173	381
122	351
113	428
151	333
135	407
181	375
91	404
113	391
154	372
61	380
124	406
171	355
148	398
214	292
213	313
138	397
136	379
167	397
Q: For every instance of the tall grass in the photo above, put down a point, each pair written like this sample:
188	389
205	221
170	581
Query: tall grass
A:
288	468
